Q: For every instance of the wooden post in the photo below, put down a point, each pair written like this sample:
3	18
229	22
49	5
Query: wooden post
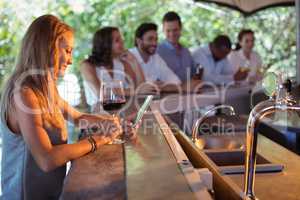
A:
297	4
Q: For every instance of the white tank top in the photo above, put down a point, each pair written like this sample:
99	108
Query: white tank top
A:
104	76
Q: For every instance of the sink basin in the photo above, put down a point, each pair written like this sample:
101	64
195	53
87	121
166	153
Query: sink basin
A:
227	152
232	162
229	142
224	124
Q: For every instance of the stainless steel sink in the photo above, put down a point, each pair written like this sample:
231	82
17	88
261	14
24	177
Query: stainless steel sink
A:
232	162
226	142
227	152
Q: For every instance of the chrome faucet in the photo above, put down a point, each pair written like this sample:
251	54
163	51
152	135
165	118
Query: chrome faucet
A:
282	101
202	118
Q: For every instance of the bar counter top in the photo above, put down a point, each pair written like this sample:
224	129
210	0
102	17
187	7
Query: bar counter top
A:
143	169
280	185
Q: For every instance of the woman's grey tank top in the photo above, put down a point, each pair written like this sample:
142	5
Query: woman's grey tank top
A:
21	178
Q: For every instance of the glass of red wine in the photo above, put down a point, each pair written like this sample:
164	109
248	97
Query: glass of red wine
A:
112	98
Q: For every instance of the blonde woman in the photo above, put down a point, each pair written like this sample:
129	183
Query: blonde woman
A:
35	149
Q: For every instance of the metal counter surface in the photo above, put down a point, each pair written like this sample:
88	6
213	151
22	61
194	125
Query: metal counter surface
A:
152	172
236	95
283	185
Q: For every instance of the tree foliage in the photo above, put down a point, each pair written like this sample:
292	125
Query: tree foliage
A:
275	28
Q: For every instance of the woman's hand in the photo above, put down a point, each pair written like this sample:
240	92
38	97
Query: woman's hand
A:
104	125
132	68
241	74
101	140
129	131
113	127
128	57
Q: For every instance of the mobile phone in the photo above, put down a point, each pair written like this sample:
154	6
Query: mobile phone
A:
142	110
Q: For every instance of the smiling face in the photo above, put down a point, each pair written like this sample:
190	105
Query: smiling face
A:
65	51
172	30
247	42
117	44
148	42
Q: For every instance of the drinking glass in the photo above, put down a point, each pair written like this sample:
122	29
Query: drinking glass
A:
112	98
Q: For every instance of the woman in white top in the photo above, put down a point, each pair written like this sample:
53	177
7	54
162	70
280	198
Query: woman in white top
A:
245	57
109	61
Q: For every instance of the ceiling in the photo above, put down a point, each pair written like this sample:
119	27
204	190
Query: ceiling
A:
248	7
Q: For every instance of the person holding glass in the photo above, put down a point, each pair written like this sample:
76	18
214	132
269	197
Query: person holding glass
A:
33	128
244	57
109	61
214	59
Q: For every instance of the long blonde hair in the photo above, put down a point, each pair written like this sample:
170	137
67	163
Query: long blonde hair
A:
38	56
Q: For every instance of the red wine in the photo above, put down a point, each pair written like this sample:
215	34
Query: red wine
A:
113	105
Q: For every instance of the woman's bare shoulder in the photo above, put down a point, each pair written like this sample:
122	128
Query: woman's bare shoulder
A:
85	63
25	96
86	66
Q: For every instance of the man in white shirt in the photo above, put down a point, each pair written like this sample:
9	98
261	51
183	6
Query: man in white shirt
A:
154	67
213	59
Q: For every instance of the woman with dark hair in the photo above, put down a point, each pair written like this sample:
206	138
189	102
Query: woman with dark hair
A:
244	57
109	61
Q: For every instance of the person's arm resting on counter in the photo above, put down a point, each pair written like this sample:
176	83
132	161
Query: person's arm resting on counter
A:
32	127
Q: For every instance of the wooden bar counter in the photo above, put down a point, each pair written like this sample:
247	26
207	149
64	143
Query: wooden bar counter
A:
144	169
